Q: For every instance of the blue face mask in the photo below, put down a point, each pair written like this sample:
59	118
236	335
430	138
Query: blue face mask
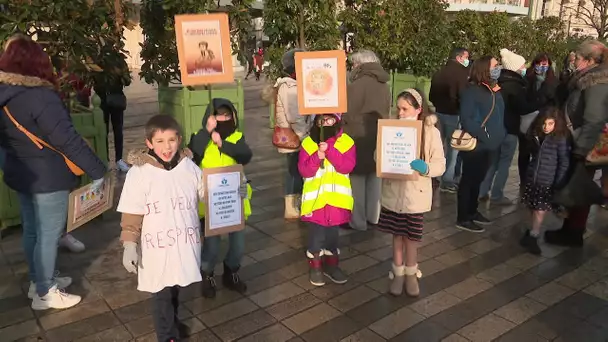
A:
541	69
495	73
523	72
465	63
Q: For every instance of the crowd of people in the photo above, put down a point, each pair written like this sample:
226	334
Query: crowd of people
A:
495	103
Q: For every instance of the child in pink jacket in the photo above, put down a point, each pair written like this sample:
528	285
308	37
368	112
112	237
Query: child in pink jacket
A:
326	158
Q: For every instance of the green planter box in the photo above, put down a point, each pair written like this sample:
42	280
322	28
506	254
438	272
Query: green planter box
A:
90	124
188	105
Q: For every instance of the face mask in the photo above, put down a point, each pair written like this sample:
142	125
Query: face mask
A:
541	69
465	63
495	73
328	132
225	128
523	72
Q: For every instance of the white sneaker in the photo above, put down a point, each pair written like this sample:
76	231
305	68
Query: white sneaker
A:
122	165
55	299
62	283
71	243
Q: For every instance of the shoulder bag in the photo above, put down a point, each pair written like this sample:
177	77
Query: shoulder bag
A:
283	137
463	141
41	144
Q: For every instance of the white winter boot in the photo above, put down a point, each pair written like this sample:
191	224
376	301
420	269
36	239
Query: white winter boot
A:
292	212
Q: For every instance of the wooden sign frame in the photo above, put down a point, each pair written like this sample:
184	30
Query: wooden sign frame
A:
340	56
221	22
397	123
228	229
76	220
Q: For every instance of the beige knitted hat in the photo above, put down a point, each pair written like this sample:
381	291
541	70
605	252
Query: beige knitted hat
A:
511	60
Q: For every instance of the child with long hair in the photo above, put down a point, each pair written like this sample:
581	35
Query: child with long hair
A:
404	202
550	140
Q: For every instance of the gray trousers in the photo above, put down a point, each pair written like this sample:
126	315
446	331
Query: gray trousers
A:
366	192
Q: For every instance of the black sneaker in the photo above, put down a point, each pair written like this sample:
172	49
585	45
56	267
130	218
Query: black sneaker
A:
530	243
232	281
209	286
481	220
470	226
451	189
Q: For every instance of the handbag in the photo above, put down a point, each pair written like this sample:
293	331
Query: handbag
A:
118	101
41	144
463	141
526	122
283	137
599	154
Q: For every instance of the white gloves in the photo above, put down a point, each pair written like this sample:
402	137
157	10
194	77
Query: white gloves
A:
130	256
243	188
97	184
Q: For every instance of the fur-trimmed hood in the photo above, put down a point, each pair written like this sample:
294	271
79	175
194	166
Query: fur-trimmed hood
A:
141	157
12	85
431	120
588	78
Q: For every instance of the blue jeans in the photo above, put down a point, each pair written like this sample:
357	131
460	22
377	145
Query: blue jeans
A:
211	250
43	218
293	180
453	164
498	173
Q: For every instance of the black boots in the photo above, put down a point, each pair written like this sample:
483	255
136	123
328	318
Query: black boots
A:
209	286
232	281
565	237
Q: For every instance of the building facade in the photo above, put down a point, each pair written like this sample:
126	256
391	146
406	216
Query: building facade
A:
512	7
572	12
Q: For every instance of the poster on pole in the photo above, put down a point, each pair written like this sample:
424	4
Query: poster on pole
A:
203	48
398	144
85	204
224	210
321	81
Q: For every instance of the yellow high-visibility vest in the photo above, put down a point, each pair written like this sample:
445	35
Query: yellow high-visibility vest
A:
215	158
327	187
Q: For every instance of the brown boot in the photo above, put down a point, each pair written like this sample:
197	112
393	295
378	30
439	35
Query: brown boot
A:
398	277
411	281
292	212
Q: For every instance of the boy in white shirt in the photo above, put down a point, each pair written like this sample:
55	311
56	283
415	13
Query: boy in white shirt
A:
160	224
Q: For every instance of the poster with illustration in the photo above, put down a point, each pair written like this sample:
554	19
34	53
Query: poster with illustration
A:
398	144
321	81
203	48
85	204
224	210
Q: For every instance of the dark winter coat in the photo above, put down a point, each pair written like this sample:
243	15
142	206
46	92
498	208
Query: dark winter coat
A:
587	107
35	104
545	95
513	90
446	86
550	162
475	104
239	151
369	99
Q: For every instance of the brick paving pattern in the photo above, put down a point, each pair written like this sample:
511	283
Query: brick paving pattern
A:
475	287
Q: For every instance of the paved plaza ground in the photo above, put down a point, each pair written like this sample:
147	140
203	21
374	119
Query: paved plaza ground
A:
475	287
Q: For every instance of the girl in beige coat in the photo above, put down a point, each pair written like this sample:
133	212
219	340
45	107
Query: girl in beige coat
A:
404	202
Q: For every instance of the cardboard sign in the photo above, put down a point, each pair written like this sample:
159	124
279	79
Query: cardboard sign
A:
203	48
85	205
398	144
321	82
224	209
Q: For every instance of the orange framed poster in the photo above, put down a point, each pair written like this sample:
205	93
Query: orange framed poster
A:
203	48
321	82
397	145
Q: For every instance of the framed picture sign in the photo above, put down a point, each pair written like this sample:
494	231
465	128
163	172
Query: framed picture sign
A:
203	48
85	205
224	210
397	145
321	82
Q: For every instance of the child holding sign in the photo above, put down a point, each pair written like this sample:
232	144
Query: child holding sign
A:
326	159
405	201
160	226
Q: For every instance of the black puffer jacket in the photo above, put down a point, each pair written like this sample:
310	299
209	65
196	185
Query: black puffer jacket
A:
550	163
513	89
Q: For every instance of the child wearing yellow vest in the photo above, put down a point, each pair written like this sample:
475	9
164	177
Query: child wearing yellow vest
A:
327	157
219	143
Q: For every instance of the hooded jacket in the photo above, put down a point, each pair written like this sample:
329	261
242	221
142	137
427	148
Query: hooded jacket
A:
238	151
287	114
587	107
369	99
36	105
446	86
513	90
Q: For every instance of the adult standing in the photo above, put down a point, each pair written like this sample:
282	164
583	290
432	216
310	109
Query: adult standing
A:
542	87
446	86
587	110
513	89
41	178
481	101
288	116
569	69
369	99
109	87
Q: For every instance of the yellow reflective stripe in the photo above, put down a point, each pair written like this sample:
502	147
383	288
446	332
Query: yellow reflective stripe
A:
327	188
334	199
309	146
344	143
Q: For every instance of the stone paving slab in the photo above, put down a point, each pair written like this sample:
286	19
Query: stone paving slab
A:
474	287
